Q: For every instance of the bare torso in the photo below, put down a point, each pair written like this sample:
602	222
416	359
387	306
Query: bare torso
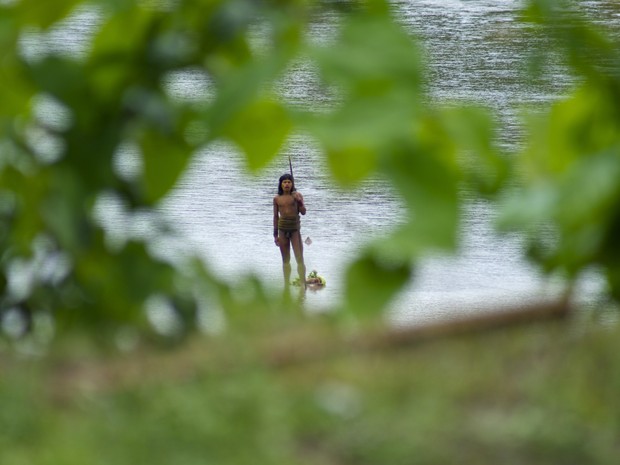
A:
287	206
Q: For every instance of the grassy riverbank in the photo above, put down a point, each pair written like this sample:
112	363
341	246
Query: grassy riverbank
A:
545	393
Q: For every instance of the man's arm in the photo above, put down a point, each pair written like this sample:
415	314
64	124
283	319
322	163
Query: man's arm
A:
301	206
275	217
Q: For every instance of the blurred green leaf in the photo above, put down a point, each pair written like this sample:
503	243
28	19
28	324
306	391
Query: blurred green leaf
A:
15	89
241	88
588	51
123	34
371	282
352	162
260	129
569	200
426	175
29	192
120	58
375	65
585	123
359	133
528	209
165	158
472	131
45	14
570	169
116	285
610	255
64	78
64	210
372	56
581	203
590	190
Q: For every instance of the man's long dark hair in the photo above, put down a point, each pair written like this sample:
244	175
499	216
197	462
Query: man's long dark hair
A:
282	178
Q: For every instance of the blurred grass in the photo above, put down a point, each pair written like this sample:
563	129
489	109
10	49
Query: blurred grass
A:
545	393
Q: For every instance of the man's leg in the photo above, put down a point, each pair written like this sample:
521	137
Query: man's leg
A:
285	250
298	250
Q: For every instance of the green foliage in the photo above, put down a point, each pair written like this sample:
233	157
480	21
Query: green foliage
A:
376	68
44	15
165	158
381	279
260	130
539	396
543	395
378	122
569	200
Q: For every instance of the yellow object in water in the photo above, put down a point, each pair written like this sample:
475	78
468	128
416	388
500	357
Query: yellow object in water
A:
313	280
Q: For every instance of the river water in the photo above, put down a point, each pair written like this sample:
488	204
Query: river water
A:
475	50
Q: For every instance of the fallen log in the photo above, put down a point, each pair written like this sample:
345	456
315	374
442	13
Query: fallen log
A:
314	349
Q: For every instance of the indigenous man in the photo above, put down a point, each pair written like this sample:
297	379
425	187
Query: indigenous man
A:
287	206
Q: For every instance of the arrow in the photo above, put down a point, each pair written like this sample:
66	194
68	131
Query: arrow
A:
290	165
